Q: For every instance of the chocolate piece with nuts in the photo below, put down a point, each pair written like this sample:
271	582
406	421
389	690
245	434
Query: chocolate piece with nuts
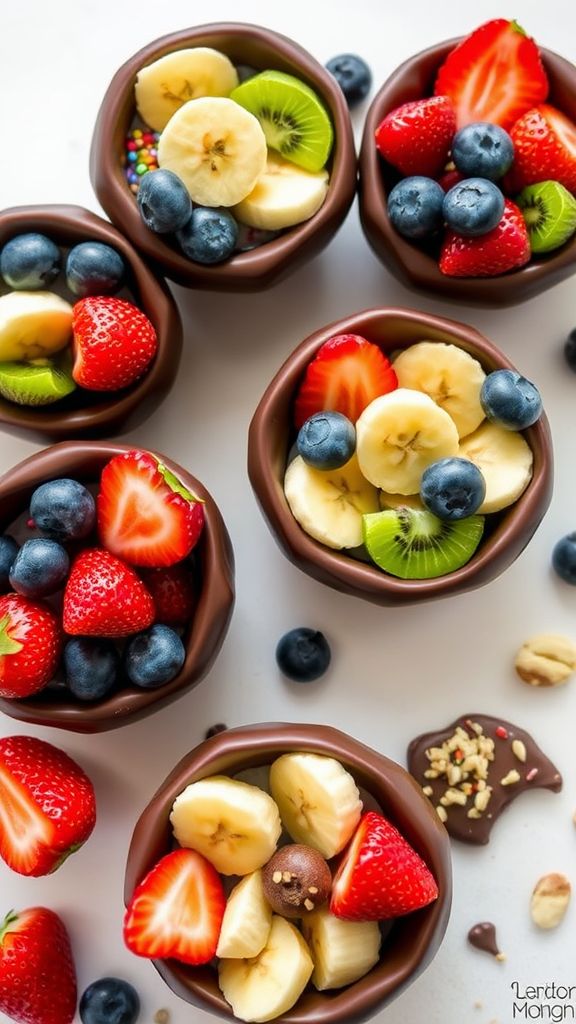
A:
296	880
474	768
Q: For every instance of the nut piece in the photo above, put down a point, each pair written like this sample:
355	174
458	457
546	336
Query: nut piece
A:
546	660
550	900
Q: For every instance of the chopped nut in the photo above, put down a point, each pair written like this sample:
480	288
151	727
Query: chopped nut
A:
511	778
550	900
277	877
519	750
454	774
286	876
474	813
308	904
546	660
453	796
482	799
430	773
466	787
440	811
313	890
428	791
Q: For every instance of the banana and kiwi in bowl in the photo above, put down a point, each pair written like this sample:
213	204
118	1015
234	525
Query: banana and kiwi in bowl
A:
399	456
225	153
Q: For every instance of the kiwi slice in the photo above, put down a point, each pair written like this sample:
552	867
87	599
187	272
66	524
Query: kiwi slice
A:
40	382
416	545
293	118
550	214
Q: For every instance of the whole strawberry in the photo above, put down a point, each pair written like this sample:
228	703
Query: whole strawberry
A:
416	137
37	975
113	344
105	597
30	643
506	247
173	594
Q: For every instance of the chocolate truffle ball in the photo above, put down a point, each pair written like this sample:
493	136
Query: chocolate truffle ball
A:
296	880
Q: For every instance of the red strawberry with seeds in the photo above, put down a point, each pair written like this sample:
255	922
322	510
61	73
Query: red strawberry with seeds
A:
506	247
416	137
113	344
544	149
37	975
47	805
173	594
30	643
105	597
380	875
177	910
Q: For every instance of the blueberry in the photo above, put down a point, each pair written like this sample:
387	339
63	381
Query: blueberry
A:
483	150
353	76
210	235
564	558
109	1001
93	268
415	206
473	207
303	654
164	202
30	262
510	400
8	552
154	656
327	440
40	568
63	510
91	667
452	488
570	350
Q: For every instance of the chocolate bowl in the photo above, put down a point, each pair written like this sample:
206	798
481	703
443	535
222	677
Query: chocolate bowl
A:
86	413
243	44
214	570
413	940
272	435
410	262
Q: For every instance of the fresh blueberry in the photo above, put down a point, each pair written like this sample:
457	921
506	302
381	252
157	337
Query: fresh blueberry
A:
63	510
8	552
154	656
164	202
353	76
570	350
91	667
564	558
40	568
210	235
483	150
452	488
303	654
510	400
473	207
30	262
93	268
109	1001
415	206
327	440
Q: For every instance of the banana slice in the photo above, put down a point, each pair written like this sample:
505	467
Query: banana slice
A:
234	825
216	147
398	435
318	800
164	86
451	377
388	500
342	951
505	459
329	504
247	919
268	985
33	325
284	195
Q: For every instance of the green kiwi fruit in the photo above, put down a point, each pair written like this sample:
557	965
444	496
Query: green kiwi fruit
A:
293	118
40	382
549	210
415	545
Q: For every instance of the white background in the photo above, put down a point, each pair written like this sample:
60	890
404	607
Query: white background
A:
395	673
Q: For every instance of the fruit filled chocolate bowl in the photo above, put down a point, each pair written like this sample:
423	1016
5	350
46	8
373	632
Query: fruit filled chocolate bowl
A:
116	585
313	877
250	143
399	456
468	168
90	337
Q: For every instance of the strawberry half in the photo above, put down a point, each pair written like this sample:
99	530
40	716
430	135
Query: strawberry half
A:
173	594
544	149
37	975
145	514
380	875
30	643
113	343
177	910
416	137
495	74
105	597
47	805
506	247
346	374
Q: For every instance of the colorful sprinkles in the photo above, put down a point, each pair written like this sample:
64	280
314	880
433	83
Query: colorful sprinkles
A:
140	156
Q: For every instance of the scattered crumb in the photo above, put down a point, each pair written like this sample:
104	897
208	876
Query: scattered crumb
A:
478	1005
162	1017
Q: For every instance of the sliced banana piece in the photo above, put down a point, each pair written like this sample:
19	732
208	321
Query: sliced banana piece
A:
388	500
329	504
163	87
284	195
398	435
33	325
451	377
234	825
216	147
247	919
342	951
505	460
318	799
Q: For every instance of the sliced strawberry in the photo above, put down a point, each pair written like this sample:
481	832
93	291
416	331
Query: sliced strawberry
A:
495	74
173	594
30	643
145	514
416	137
176	910
346	374
544	149
37	974
506	247
105	597
380	875
114	343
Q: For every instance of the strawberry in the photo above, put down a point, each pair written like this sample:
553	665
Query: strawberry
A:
495	74
113	343
544	149
449	179
346	374
37	975
504	248
30	642
173	594
47	805
177	910
416	137
380	875
105	597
